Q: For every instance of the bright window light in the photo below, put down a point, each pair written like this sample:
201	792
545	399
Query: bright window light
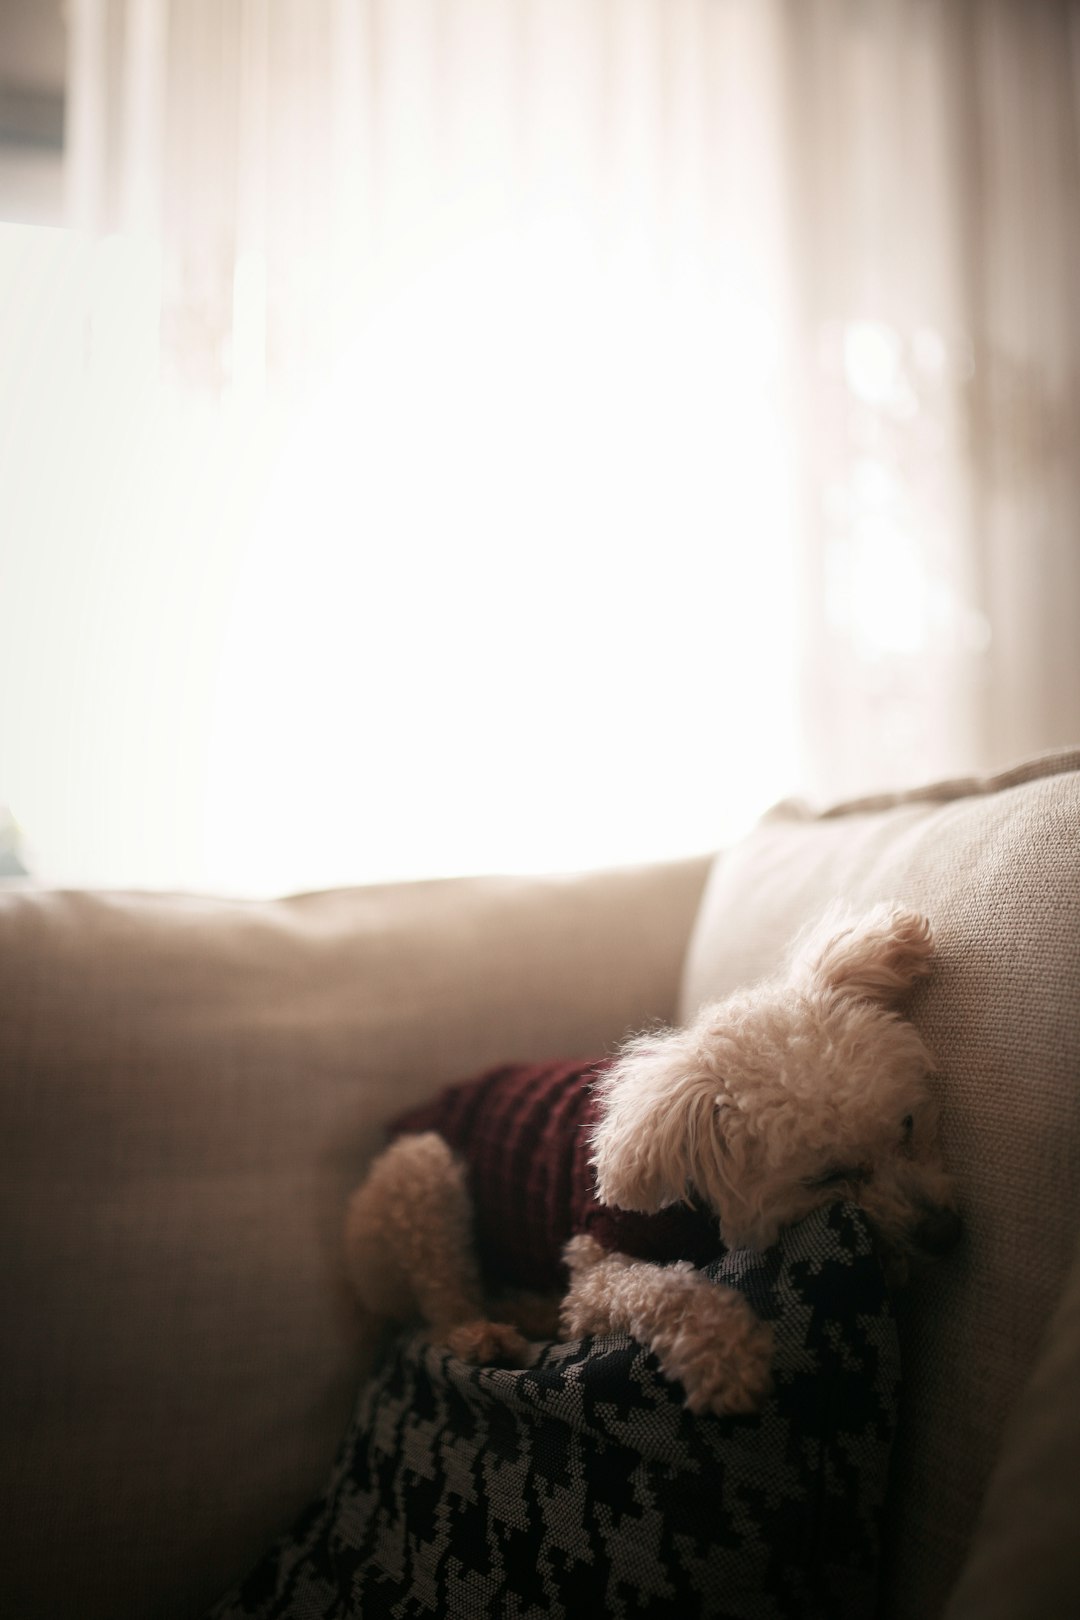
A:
510	589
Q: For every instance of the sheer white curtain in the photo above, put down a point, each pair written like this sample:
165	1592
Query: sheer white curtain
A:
572	423
934	161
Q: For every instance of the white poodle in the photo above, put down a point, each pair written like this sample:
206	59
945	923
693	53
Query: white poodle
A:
780	1099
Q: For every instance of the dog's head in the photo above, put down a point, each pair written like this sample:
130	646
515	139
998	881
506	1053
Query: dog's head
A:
785	1097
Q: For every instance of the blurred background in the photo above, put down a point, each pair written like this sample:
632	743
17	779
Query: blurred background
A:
454	435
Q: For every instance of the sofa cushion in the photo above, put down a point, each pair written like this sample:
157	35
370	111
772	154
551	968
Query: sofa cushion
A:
188	1089
995	864
581	1486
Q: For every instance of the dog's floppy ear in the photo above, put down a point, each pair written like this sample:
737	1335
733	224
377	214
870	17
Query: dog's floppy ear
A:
641	1139
878	955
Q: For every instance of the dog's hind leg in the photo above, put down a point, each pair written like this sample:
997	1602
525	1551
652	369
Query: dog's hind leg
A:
408	1249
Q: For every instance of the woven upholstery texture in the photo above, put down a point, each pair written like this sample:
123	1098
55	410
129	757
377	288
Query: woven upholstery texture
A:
995	864
1031	1512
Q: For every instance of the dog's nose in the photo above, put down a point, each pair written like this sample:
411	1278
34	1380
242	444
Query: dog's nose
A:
938	1230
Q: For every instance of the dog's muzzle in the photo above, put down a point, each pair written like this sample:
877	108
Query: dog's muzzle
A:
938	1230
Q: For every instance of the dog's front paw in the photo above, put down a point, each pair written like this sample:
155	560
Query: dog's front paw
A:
733	1376
587	1304
480	1342
582	1312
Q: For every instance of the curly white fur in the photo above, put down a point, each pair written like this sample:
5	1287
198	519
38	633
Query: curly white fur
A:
772	1101
768	1105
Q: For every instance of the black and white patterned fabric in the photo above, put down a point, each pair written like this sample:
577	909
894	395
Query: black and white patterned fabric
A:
580	1486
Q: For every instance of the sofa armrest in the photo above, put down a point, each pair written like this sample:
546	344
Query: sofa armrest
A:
188	1088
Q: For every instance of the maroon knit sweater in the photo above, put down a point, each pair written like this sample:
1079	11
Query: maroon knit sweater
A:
523	1131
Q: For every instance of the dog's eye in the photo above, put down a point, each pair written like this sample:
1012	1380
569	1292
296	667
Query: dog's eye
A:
907	1125
829	1179
833	1178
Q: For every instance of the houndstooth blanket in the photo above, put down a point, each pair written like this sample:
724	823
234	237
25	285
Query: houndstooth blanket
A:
580	1486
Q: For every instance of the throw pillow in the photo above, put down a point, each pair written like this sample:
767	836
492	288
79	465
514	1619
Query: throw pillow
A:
580	1485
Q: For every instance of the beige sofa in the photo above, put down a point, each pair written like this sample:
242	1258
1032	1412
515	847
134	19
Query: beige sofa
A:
188	1087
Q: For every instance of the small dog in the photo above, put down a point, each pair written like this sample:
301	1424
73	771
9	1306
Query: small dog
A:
772	1103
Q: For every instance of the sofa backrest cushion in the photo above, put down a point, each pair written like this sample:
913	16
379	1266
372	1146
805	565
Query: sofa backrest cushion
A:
188	1090
995	864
